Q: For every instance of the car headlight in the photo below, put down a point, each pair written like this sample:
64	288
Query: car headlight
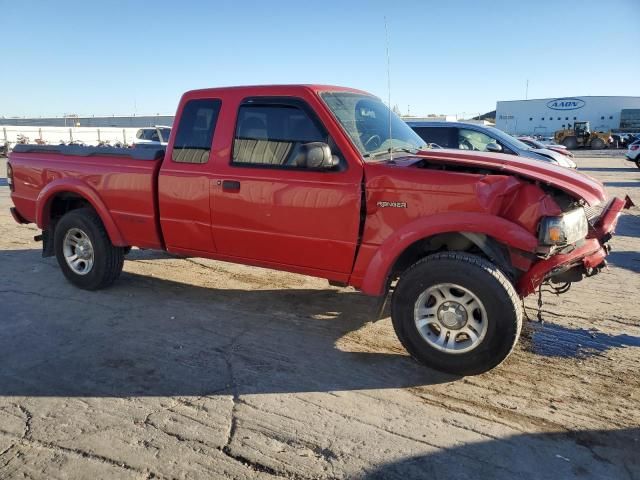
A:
565	229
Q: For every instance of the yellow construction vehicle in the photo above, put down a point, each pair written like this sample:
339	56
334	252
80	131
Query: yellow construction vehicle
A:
582	136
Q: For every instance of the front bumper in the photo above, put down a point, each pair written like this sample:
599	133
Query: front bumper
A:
585	259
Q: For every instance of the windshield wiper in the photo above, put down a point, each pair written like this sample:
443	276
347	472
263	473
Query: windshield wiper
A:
389	151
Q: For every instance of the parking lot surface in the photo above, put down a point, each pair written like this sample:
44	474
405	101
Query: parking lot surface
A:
190	368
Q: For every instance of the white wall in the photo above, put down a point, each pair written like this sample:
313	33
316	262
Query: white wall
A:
54	135
525	117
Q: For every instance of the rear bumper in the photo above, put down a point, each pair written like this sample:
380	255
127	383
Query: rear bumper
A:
584	260
17	217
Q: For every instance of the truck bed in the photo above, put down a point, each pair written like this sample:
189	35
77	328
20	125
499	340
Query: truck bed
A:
124	180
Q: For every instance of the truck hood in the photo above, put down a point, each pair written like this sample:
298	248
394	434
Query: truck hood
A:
576	184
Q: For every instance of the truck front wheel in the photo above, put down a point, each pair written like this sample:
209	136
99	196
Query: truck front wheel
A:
84	251
457	313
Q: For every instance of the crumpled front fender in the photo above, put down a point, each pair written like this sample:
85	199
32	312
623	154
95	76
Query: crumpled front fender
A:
502	230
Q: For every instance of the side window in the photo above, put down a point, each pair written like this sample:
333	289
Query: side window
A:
154	135
195	131
472	140
444	137
274	135
139	134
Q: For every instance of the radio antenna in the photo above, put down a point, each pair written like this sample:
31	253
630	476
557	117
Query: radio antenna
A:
386	34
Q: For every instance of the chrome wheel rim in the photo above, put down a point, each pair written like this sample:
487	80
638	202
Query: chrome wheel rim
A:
78	251
450	318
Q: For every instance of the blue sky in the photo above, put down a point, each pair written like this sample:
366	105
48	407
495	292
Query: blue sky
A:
457	57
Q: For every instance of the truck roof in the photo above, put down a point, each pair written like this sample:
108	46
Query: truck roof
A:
277	89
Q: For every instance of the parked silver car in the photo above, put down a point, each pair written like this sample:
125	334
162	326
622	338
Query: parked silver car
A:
471	136
157	136
633	153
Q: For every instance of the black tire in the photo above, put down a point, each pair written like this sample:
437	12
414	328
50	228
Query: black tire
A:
487	283
597	144
108	260
638	162
570	142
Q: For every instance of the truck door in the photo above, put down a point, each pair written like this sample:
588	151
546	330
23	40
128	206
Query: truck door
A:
184	179
268	208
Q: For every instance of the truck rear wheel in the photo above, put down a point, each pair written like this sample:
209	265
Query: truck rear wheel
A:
84	251
457	313
570	142
597	144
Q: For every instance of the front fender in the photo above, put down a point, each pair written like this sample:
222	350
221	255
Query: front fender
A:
82	189
504	231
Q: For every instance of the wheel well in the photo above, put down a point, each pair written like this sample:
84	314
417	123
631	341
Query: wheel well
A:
65	202
60	204
477	243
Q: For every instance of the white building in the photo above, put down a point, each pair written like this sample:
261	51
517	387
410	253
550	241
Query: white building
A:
546	115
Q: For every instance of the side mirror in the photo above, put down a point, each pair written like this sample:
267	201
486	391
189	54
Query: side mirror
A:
493	147
317	156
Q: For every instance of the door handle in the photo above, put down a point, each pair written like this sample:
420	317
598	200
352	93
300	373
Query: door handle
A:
230	186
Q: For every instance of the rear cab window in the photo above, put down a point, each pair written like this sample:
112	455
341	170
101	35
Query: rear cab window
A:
195	131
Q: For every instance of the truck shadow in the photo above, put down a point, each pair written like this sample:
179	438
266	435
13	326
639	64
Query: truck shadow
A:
552	340
589	454
627	260
629	224
147	336
622	184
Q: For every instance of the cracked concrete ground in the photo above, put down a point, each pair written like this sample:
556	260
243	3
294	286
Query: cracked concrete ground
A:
189	368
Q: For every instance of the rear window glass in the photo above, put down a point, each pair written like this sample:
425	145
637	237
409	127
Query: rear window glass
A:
195	131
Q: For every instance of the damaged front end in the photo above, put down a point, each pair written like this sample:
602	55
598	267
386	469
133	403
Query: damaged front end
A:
583	258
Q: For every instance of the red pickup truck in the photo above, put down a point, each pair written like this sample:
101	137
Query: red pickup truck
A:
326	181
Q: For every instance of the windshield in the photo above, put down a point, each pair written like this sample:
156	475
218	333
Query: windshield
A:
366	120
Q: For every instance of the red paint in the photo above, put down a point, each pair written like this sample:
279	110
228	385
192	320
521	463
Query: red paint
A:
591	254
609	219
569	180
310	222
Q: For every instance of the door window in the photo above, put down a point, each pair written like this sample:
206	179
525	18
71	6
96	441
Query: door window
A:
271	135
473	140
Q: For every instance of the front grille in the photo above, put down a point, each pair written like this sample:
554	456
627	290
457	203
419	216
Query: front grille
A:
594	212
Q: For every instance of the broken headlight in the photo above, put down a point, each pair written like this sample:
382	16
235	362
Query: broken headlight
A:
565	229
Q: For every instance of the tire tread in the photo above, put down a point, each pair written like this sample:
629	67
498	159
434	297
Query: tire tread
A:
475	261
114	256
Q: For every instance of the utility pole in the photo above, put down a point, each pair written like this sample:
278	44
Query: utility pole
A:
526	91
